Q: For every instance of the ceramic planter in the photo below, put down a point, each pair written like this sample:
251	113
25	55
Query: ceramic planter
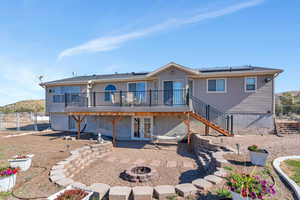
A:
54	196
23	163
258	158
7	183
237	196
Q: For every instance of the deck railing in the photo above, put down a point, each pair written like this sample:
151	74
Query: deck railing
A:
173	97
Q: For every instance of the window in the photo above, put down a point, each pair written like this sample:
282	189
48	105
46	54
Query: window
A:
59	93
109	90
216	85
139	91
250	84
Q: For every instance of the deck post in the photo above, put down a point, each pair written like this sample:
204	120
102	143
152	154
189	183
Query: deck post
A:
78	127
189	128
114	131
206	130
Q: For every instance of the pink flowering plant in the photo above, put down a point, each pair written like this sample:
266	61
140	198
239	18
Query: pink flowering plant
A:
253	187
8	171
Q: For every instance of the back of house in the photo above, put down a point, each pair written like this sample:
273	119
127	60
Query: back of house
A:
170	101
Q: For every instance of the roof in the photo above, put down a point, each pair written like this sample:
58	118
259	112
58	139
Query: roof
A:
202	72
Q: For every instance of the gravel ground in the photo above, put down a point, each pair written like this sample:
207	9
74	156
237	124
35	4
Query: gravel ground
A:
106	171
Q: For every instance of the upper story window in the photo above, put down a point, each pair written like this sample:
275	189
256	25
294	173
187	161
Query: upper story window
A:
250	84
109	91
216	85
59	93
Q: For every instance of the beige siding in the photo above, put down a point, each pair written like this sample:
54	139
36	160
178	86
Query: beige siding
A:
236	99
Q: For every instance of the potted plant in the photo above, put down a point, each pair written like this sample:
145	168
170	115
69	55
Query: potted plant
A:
7	178
248	187
71	192
21	161
258	156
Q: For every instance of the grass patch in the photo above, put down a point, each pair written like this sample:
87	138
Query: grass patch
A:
293	170
4	195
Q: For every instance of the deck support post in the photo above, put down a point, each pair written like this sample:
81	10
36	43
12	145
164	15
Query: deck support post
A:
206	130
78	120
114	128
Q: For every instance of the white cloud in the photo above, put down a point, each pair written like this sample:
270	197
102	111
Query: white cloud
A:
109	43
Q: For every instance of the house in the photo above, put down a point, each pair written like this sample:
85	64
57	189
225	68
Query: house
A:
171	100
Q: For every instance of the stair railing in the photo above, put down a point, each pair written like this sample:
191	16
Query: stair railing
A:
221	119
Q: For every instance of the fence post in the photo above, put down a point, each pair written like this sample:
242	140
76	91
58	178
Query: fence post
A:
18	121
121	98
35	121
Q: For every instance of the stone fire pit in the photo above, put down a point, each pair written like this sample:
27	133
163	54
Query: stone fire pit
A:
139	173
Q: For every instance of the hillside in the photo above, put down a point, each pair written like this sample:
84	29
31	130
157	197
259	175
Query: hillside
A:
24	106
288	102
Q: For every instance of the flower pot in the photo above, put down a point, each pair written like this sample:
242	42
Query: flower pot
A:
7	183
237	196
54	196
258	158
23	163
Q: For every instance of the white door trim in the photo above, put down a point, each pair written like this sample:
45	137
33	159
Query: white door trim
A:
142	127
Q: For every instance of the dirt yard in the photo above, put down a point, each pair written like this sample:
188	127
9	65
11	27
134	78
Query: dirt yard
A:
50	148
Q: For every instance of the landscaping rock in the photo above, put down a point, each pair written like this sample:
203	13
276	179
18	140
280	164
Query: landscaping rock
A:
119	193
220	173
202	184
142	193
164	191
186	189
64	182
213	179
100	188
79	185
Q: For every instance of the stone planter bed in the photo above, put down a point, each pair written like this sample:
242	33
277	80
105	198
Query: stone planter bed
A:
102	161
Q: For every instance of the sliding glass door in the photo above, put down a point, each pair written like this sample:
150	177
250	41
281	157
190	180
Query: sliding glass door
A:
142	128
173	93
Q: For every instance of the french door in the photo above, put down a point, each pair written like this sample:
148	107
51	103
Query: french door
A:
142	128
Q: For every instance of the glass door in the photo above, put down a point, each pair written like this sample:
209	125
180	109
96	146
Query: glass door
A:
173	93
142	128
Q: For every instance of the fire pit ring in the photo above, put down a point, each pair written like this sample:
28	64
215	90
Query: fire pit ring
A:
139	173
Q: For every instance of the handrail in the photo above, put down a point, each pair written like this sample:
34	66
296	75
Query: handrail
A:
212	114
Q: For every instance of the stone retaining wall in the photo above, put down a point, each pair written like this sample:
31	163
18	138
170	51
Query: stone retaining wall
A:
209	159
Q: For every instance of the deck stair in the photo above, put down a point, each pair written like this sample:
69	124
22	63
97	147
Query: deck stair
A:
286	127
219	121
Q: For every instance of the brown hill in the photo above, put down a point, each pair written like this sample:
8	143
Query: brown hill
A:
24	106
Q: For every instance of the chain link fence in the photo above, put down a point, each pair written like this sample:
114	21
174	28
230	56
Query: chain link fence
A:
24	121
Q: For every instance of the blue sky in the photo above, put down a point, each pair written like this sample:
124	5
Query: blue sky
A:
55	38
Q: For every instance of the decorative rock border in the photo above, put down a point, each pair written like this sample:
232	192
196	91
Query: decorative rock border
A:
209	159
63	172
276	165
